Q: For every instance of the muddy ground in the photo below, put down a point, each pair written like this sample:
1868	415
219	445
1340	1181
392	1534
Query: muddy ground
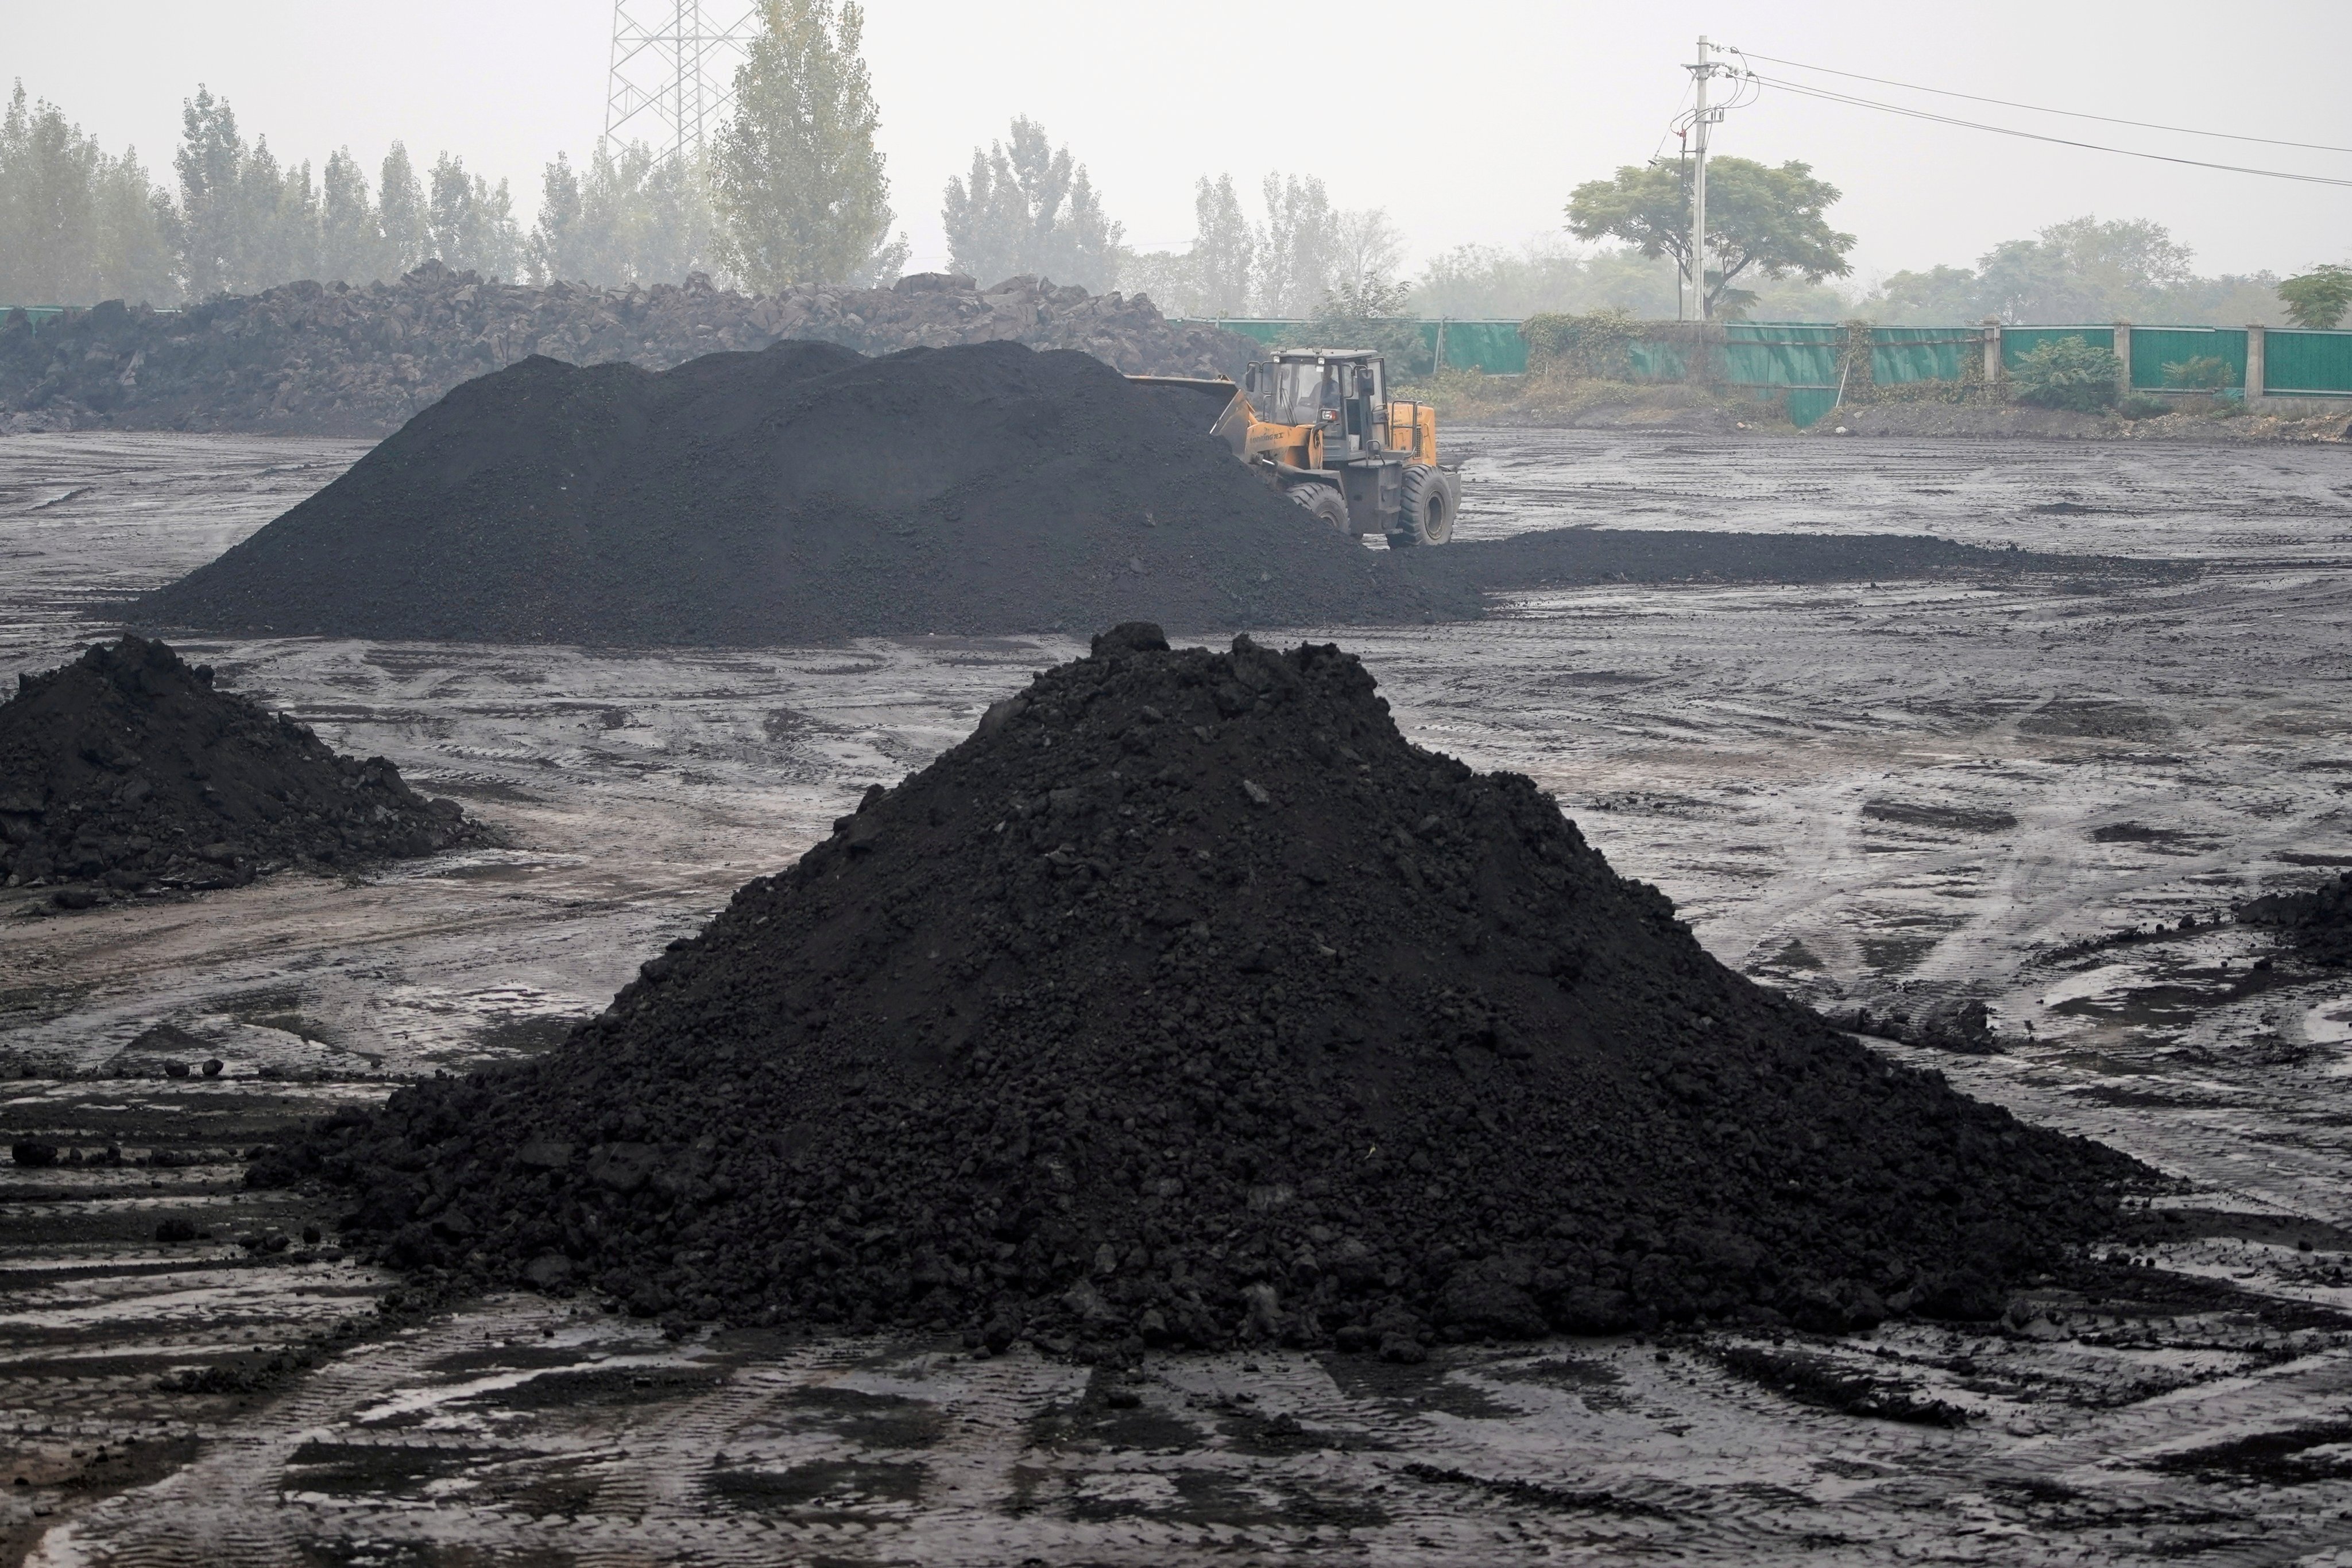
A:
1882	795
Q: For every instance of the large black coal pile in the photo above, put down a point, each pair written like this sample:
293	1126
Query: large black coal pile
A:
126	772
798	495
1187	1002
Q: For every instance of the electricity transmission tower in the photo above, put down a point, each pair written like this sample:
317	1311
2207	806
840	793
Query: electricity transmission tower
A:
672	84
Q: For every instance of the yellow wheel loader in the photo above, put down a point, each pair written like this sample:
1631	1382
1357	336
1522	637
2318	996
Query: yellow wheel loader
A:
1318	424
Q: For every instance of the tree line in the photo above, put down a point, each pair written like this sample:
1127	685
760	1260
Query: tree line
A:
79	224
793	191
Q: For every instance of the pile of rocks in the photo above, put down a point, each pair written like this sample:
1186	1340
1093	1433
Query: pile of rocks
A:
318	359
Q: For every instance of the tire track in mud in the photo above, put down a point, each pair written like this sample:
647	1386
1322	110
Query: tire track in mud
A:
1734	694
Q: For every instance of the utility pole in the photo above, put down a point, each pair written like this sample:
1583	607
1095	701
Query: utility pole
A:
1702	118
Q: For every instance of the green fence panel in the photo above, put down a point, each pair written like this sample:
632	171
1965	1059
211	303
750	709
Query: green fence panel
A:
2153	348
1900	354
1808	404
1494	347
1781	354
2016	342
1657	360
1264	331
2315	364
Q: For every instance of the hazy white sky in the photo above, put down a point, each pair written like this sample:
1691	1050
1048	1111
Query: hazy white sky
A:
1468	120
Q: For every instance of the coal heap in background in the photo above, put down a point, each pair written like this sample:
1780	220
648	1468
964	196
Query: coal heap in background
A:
2317	924
798	495
1186	1002
126	772
308	359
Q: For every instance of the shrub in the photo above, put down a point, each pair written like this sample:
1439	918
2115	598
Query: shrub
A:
1372	316
2317	299
2069	373
2143	407
1596	347
2209	372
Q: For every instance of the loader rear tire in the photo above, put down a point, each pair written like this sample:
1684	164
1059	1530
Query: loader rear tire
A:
1325	503
1426	513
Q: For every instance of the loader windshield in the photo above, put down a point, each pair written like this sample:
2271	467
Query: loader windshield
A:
1302	390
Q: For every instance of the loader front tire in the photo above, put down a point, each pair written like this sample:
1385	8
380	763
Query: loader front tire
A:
1425	515
1325	503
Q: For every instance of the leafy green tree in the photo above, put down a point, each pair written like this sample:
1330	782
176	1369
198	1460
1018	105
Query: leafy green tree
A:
1366	252
210	163
248	222
636	218
1217	276
351	244
1297	246
1369	314
278	214
2084	269
473	222
1225	250
559	239
403	212
797	180
1481	280
2069	373
135	249
1029	209
46	171
1760	220
2317	299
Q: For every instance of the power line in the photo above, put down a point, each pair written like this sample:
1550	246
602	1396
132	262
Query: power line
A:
2038	108
1829	97
1672	123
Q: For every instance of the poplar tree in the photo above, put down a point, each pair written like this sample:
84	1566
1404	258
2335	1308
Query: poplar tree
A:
210	163
402	214
631	218
796	180
1299	247
1225	250
1028	209
352	246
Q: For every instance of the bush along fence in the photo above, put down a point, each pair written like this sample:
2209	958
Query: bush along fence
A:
1810	368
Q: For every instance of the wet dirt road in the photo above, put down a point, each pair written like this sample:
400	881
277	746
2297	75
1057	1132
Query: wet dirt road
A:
1893	795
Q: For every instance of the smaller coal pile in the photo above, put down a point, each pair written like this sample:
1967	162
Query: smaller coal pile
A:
127	772
2317	925
1186	1002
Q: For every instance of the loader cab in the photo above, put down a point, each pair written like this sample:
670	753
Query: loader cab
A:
1341	392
